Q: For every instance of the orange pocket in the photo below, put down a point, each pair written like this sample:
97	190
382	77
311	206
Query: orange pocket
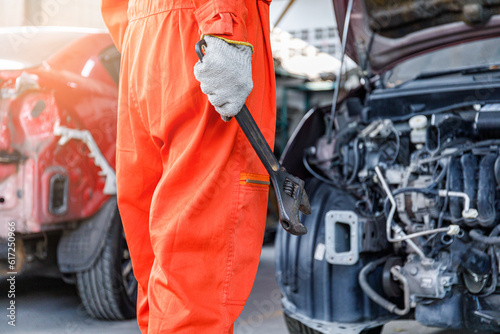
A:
248	236
223	17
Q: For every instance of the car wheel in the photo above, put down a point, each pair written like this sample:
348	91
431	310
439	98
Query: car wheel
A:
108	290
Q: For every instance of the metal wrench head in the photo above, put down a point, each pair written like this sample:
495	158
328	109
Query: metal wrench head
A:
292	199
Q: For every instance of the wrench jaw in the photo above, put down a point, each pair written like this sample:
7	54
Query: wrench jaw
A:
304	205
291	199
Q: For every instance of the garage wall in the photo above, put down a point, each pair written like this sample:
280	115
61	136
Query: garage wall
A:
79	13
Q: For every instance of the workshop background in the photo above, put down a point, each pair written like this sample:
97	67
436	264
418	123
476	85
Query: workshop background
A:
305	43
80	13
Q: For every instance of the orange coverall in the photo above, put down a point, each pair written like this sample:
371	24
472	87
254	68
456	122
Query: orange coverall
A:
193	219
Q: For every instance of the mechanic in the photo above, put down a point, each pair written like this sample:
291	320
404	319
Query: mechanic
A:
190	188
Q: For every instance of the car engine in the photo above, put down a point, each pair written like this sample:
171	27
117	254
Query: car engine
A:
425	197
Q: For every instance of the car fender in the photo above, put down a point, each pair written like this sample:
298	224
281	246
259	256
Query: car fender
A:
78	249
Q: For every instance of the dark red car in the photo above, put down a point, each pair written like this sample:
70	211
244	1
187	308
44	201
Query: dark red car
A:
58	102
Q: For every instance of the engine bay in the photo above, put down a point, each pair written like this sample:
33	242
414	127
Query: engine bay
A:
428	187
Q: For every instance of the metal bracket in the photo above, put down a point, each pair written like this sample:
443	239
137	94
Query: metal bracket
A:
342	237
100	161
326	327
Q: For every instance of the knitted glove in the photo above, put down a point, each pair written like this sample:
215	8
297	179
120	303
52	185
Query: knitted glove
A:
225	74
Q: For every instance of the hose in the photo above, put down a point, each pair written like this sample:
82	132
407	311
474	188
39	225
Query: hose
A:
355	168
476	235
494	264
494	274
461	150
375	297
495	232
316	175
446	199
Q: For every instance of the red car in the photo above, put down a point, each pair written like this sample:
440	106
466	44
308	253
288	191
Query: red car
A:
58	102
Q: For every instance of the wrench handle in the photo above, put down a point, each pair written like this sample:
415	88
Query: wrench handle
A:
259	143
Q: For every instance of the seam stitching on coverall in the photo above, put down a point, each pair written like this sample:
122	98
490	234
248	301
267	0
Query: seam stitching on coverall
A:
229	265
159	12
230	260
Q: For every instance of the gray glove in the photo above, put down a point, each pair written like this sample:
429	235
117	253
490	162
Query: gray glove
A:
225	75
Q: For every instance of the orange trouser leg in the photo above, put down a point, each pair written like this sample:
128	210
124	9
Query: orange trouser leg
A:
193	223
139	169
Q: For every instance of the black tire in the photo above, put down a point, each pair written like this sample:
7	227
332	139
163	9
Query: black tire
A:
108	290
296	327
374	330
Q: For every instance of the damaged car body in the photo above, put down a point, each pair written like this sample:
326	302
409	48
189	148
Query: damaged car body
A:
58	103
404	187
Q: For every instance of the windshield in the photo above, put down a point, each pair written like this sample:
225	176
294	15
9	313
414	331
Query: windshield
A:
26	47
471	54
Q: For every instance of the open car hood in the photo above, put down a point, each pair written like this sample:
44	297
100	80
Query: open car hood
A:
383	33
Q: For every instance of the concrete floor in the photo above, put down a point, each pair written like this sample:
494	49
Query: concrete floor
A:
49	306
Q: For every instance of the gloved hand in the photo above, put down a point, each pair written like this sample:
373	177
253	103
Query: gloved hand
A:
225	74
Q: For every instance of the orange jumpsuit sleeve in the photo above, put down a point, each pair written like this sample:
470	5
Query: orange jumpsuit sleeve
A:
224	18
114	13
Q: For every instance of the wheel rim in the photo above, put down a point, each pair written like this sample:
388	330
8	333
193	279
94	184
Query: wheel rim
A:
128	279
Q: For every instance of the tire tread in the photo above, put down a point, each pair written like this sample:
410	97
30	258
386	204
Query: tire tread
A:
99	287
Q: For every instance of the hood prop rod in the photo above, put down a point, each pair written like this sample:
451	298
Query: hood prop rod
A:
332	116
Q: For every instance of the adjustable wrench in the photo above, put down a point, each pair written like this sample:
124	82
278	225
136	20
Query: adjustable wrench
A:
289	189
